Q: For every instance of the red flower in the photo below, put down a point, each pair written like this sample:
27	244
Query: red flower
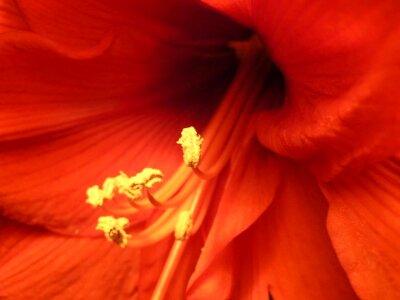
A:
303	132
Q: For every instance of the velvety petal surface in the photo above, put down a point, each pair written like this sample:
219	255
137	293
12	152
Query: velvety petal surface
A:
286	253
87	92
364	226
341	65
36	264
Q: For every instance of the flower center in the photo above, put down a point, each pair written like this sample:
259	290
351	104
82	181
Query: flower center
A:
185	198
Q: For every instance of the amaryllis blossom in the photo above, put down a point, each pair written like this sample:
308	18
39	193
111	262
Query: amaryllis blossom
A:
289	184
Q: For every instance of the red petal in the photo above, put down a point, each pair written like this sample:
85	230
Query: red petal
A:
341	62
75	123
364	226
249	191
81	23
287	252
47	87
218	281
152	260
72	117
236	9
70	71
35	264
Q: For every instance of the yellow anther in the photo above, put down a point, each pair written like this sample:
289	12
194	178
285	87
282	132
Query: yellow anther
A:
147	178
191	142
95	196
108	188
122	183
133	187
114	229
183	225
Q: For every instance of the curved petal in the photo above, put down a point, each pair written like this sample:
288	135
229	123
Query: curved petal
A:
47	87
364	226
346	131
248	192
35	264
286	253
81	23
72	116
341	63
78	116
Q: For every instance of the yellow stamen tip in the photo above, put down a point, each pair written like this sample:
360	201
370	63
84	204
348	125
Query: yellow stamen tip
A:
133	187
183	225
191	142
147	178
123	184
95	196
108	188
114	229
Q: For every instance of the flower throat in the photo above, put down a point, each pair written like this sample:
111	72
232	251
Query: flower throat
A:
184	200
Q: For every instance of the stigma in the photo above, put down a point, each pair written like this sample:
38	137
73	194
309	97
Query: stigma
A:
191	143
114	229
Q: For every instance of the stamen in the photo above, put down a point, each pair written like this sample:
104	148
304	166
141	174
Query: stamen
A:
95	196
191	142
147	178
114	229
154	201
184	198
122	182
133	187
178	246
183	225
108	188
